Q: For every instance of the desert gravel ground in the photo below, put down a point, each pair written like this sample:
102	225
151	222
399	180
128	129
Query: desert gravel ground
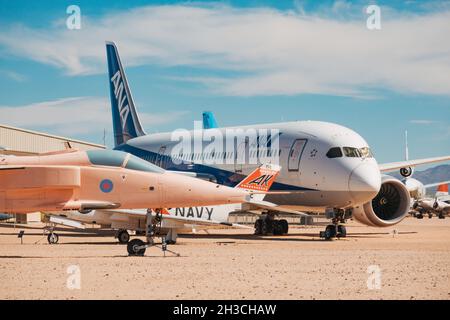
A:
413	258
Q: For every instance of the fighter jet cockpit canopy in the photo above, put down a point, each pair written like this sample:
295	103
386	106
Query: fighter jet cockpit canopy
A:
112	158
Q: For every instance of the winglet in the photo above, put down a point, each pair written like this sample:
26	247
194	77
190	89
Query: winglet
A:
261	179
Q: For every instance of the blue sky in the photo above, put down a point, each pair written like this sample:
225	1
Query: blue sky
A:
247	61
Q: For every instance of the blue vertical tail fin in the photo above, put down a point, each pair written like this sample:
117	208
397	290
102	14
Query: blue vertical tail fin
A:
126	124
209	121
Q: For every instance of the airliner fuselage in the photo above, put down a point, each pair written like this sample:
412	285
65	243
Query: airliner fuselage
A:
323	164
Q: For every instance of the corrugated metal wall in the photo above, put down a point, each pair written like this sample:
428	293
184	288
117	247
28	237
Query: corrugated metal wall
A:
20	141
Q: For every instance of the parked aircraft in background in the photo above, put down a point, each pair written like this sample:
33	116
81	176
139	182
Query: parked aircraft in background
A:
428	206
175	220
331	165
209	120
100	179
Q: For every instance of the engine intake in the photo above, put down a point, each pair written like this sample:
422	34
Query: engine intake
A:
389	207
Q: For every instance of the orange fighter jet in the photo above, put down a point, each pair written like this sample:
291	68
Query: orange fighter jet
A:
100	179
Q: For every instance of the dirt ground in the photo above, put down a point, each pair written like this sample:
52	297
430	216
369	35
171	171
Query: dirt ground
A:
410	261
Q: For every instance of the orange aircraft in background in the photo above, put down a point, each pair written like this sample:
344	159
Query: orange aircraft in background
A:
101	179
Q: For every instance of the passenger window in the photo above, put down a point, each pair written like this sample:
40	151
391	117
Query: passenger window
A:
334	153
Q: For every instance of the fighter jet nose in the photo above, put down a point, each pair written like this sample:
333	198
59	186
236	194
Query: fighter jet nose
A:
364	183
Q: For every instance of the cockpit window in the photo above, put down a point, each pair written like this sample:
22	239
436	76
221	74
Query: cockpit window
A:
366	152
334	153
135	163
109	158
352	152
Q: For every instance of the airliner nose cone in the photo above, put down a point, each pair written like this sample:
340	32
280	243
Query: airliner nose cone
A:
364	183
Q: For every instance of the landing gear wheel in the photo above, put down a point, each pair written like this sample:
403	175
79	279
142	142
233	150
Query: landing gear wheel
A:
52	238
419	216
277	228
430	215
123	236
284	226
441	216
258	226
267	227
133	247
330	232
342	231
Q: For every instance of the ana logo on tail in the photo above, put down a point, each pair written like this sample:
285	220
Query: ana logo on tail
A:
121	96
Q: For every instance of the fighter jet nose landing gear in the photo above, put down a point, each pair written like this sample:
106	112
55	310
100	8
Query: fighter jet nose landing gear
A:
137	247
336	230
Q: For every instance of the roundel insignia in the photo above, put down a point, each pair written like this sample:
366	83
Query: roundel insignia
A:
106	185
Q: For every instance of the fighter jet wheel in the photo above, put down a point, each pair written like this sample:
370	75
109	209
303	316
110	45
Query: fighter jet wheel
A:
342	231
52	238
284	226
133	247
258	226
330	232
123	236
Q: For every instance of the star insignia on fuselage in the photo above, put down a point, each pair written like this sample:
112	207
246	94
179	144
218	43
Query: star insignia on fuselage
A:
313	153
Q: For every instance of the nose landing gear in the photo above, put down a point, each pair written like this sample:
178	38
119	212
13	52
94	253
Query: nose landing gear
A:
336	230
137	247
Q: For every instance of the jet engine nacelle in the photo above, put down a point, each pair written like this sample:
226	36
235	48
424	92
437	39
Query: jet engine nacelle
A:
406	172
389	207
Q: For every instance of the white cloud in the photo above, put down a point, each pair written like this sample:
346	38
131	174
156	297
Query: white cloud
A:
423	121
268	51
18	77
72	117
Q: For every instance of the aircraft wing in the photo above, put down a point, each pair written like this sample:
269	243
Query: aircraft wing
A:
256	205
203	222
116	215
386	167
430	185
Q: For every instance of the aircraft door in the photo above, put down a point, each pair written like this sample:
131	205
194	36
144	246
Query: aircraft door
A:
160	157
295	154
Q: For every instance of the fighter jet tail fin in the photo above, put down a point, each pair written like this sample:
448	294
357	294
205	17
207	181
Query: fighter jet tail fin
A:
126	123
261	179
442	190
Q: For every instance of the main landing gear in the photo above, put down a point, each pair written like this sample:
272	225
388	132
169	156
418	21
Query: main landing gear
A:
137	247
267	225
336	230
